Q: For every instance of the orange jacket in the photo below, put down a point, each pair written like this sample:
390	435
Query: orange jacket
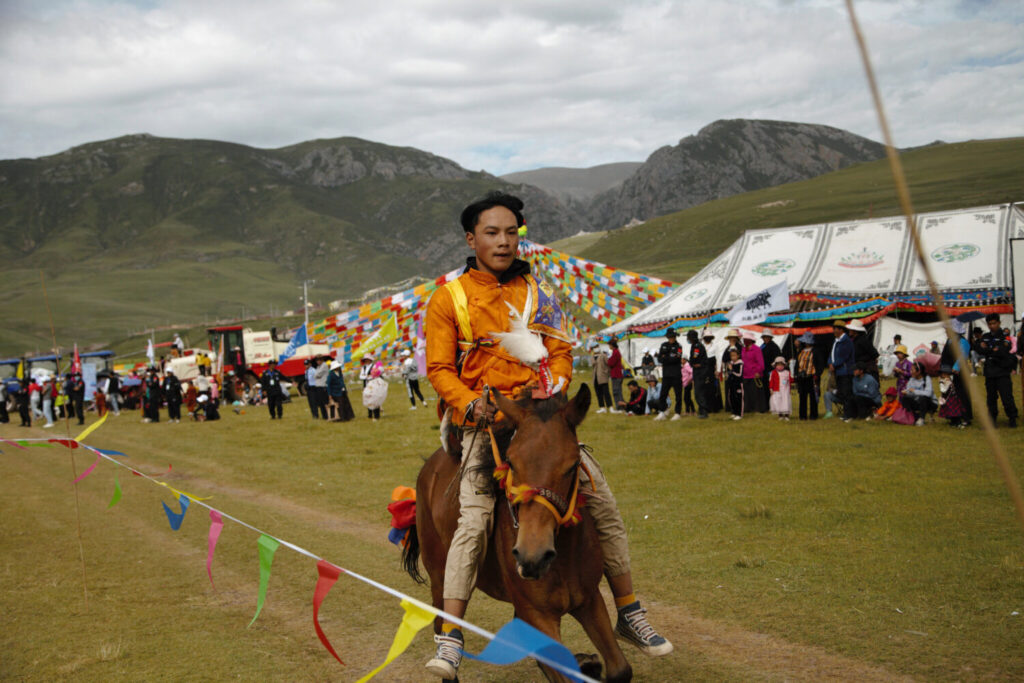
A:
488	314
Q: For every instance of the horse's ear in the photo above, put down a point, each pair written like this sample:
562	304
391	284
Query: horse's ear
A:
576	409
510	408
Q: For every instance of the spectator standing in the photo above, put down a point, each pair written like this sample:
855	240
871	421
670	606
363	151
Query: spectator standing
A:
112	388
733	370
374	394
4	416
615	373
781	402
769	352
179	345
840	365
337	392
35	398
151	397
687	372
806	377
411	375
21	399
270	383
753	371
712	392
76	396
48	393
994	347
732	338
321	370
864	352
172	393
701	365
365	369
310	391
601	378
670	355
949	361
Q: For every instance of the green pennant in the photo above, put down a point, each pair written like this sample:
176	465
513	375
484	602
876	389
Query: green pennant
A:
117	493
267	547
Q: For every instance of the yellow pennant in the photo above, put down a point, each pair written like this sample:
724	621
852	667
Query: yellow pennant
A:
182	493
91	428
416	617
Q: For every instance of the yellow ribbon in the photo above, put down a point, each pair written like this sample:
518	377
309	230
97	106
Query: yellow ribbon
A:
415	619
91	428
182	493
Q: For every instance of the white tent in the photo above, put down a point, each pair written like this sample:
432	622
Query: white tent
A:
848	262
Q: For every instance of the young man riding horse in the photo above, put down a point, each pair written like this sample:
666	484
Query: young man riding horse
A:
463	357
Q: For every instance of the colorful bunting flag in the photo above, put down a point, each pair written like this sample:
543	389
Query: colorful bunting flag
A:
517	640
91	428
117	493
267	547
327	576
89	469
176	518
216	524
413	621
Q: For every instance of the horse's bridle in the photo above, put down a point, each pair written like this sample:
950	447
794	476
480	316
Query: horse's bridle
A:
566	513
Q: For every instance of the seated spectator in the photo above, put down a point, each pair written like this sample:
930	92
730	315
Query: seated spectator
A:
637	403
889	404
653	392
918	396
866	397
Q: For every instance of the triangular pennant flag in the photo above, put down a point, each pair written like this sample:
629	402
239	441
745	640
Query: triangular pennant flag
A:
328	576
176	518
13	443
91	428
117	493
267	547
216	524
70	443
89	469
413	621
517	640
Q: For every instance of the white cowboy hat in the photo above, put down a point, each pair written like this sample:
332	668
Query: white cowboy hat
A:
750	334
335	365
856	326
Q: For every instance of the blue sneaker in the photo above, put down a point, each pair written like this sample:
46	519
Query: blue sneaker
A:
633	627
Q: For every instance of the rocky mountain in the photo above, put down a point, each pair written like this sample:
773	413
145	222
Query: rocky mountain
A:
576	186
725	158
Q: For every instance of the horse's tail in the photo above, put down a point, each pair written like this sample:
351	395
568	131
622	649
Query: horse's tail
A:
411	555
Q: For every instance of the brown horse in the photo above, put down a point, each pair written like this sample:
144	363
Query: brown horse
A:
543	569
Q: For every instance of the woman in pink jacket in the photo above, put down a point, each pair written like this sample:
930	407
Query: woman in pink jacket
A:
753	368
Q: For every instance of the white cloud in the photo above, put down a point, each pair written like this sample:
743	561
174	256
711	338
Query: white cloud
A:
499	86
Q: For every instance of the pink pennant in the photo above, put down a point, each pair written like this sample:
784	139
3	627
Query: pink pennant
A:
89	469
328	577
15	444
216	524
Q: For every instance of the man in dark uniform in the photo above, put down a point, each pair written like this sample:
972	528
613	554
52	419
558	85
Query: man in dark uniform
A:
864	352
172	390
769	352
1000	363
151	397
271	383
670	355
76	395
701	366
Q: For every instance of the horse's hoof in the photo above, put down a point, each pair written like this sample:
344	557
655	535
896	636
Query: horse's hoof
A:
590	665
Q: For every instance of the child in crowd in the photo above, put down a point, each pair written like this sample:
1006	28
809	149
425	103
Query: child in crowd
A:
687	371
889	404
781	402
901	370
734	383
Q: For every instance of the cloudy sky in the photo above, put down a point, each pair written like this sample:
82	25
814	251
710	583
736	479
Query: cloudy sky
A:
499	86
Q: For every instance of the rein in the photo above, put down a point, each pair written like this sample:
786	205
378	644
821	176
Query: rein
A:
566	513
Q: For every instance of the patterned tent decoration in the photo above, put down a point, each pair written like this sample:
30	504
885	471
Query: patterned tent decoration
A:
606	294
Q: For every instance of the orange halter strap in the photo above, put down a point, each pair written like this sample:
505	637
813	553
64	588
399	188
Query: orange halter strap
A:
566	513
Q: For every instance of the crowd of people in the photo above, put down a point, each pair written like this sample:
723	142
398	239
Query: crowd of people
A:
844	373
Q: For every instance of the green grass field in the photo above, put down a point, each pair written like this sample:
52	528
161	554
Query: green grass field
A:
765	551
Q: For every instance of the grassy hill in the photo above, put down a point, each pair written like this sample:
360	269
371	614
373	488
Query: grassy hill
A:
141	232
951	176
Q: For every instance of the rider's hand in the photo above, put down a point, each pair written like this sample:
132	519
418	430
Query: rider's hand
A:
483	411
